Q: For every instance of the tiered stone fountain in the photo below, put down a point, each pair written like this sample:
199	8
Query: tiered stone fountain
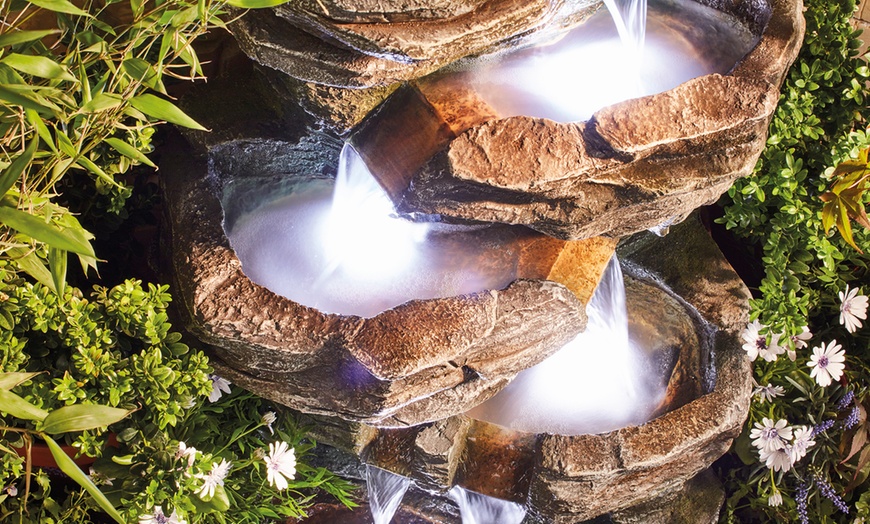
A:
393	389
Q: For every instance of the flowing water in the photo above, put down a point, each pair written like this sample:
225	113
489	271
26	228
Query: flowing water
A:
338	247
385	490
596	383
476	508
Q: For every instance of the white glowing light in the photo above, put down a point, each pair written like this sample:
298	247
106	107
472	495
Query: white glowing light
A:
362	236
598	382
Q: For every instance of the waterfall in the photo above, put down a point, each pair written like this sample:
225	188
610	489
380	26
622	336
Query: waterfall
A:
385	491
476	508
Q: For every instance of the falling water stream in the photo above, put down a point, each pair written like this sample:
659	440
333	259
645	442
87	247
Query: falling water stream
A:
385	490
476	508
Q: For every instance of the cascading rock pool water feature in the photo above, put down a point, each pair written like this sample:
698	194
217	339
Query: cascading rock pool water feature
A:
406	324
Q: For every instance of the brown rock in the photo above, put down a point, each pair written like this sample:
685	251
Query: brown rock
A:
380	11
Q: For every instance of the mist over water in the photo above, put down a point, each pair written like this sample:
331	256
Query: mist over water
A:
596	383
337	247
610	59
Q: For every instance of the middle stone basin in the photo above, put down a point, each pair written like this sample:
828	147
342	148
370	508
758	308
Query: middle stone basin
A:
420	361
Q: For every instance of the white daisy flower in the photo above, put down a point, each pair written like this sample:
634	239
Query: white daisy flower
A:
799	341
769	435
268	419
186	452
756	344
853	309
777	459
158	517
280	464
803	440
218	385
775	499
214	479
827	363
768	392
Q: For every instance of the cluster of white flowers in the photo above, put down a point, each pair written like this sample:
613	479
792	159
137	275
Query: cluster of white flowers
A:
756	344
780	445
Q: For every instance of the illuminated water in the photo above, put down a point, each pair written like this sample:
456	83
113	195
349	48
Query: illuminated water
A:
590	67
476	508
597	383
338	248
385	490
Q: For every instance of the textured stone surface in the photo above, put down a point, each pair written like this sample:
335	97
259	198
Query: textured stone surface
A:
379	11
311	45
635	165
646	473
421	361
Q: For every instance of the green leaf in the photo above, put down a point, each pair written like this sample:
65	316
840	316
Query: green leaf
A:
20	37
129	151
101	102
255	4
66	464
59	6
50	234
11	97
143	71
57	259
20	408
40	66
12	379
10	174
80	417
161	109
86	163
31	264
41	129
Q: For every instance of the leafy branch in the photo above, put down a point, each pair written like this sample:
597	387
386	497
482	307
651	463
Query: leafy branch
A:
844	200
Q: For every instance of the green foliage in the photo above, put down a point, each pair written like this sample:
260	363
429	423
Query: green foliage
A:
76	94
809	179
116	349
817	125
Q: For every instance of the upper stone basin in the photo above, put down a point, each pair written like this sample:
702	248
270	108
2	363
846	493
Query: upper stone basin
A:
440	151
421	361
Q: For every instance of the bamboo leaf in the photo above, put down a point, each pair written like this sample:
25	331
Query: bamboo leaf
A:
81	417
41	129
57	259
101	102
161	109
18	407
50	234
143	71
129	151
11	173
86	163
40	66
66	464
20	37
12	379
11	97
59	6
255	4
31	264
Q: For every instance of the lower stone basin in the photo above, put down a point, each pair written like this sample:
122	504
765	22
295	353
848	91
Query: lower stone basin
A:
421	361
634	474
